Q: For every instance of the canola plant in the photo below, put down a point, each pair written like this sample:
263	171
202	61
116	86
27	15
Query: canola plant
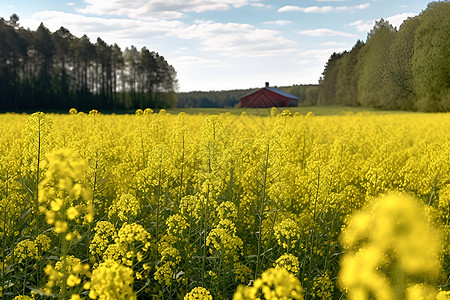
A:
161	206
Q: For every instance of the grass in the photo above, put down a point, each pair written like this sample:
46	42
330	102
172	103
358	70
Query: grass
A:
317	110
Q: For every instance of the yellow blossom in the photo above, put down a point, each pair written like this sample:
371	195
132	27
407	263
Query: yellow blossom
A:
198	293
112	281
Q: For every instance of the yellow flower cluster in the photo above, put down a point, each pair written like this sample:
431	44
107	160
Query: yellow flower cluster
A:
274	284
242	272
105	234
227	210
126	208
26	251
198	293
170	255
68	272
43	243
388	245
287	233
63	195
38	128
190	207
288	262
323	287
176	225
224	242
423	292
134	242
112	281
170	258
23	297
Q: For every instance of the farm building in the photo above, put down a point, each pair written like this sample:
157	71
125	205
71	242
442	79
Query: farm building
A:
269	97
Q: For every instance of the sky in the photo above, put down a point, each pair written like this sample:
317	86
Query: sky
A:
223	44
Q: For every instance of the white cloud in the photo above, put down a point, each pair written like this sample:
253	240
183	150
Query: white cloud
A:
322	9
235	39
398	19
187	61
159	9
363	6
321	54
356	7
261	5
180	50
362	26
325	32
330	43
309	9
71	4
278	22
317	9
289	8
395	20
124	32
226	39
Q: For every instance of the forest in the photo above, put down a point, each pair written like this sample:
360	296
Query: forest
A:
307	93
56	71
404	69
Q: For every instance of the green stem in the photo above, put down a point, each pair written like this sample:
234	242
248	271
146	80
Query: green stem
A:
36	201
261	211
205	230
314	222
158	201
181	172
25	275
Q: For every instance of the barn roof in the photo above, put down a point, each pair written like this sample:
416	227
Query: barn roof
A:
275	90
282	93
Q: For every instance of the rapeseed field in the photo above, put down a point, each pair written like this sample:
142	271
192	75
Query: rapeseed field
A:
285	206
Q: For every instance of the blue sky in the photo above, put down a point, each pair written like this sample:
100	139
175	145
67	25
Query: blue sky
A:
223	44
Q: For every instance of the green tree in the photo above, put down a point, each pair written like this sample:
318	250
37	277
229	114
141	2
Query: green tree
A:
104	72
431	59
61	80
400	76
47	71
118	74
348	76
327	94
374	63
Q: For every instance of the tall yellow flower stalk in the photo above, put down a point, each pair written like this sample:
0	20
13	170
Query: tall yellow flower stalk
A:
65	202
112	281
38	129
390	249
274	284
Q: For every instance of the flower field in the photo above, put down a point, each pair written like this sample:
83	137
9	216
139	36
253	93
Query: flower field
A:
162	206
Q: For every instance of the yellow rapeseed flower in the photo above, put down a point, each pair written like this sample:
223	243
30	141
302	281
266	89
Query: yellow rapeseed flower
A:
274	284
198	293
112	281
26	250
388	245
288	262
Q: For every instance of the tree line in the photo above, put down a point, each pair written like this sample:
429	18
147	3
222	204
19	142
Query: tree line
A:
55	71
307	94
404	69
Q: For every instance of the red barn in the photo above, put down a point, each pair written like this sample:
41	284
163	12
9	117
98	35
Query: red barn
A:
269	97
